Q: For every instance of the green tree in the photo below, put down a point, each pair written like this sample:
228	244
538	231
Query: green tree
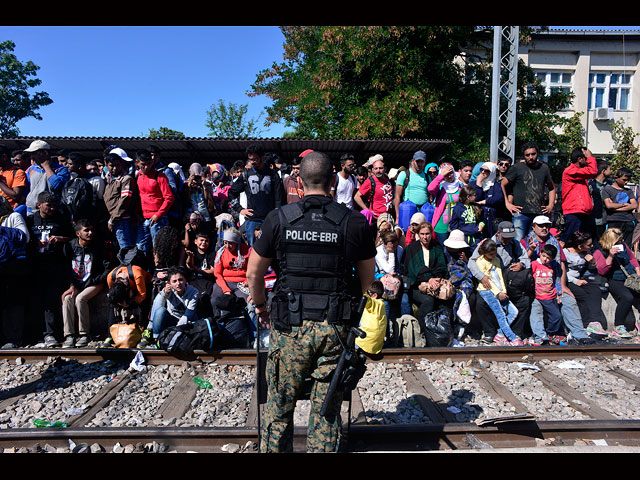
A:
230	121
16	81
626	153
397	82
165	133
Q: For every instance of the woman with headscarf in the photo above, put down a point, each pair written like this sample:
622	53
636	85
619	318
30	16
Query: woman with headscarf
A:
230	267
177	169
445	188
431	169
489	194
220	185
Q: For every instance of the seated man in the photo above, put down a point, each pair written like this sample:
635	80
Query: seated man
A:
516	271
538	237
175	304
88	277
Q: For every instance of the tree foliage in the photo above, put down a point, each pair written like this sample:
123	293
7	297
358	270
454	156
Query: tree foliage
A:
165	133
16	81
398	82
230	121
626	153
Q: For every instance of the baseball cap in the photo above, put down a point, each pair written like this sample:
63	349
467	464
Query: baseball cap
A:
418	218
507	230
121	153
541	220
38	145
420	155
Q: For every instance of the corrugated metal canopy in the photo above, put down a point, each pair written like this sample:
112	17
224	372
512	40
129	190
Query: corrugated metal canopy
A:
396	152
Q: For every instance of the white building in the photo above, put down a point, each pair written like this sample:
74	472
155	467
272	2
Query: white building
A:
600	68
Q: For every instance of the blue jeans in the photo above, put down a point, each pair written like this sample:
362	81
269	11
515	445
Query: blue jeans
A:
554	321
522	223
161	319
126	233
572	318
505	312
250	230
147	232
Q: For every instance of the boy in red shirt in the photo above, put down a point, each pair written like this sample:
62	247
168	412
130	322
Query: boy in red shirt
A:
546	277
156	199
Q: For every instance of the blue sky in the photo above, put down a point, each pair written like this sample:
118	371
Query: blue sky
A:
121	81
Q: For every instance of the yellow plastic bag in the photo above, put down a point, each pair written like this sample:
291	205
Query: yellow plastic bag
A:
374	324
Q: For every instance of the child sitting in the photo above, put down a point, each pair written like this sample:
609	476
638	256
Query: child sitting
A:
546	277
467	217
489	263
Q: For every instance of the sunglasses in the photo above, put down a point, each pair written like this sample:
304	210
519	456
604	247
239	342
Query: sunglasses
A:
504	164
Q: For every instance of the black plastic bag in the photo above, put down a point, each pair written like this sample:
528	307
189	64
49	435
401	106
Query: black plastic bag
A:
439	327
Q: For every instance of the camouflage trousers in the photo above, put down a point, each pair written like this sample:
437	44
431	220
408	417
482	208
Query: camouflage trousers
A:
309	351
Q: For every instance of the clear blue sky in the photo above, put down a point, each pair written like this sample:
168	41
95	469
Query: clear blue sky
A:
121	81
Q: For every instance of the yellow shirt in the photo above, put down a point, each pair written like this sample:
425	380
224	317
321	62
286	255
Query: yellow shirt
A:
493	270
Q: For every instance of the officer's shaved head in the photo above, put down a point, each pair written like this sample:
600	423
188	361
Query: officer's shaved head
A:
316	172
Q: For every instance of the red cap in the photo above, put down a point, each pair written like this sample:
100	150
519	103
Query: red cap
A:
306	152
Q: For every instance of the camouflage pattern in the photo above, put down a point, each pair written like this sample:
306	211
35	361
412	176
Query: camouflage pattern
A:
311	350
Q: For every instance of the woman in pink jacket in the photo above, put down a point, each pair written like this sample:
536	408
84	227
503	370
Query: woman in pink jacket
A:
445	188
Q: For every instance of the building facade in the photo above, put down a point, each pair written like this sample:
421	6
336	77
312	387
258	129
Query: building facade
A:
600	68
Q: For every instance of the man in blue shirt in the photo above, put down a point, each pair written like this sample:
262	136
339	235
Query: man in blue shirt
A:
413	188
47	175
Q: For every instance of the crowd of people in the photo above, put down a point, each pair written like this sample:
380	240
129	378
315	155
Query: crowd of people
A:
515	256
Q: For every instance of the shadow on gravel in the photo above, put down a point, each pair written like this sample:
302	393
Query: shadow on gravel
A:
62	373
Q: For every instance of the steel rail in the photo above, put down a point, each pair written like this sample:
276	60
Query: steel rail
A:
247	356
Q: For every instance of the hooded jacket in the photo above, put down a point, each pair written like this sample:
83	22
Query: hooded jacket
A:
576	197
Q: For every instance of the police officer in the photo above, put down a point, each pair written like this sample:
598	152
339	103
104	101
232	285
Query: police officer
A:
323	254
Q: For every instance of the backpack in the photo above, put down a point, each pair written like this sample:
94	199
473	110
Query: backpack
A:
409	333
77	197
12	244
392	285
129	256
185	339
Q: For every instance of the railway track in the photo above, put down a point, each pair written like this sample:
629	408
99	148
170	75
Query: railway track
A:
518	427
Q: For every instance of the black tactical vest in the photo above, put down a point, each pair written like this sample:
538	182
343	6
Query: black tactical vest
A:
314	271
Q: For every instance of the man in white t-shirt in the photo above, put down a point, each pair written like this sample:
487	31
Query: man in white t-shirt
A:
346	182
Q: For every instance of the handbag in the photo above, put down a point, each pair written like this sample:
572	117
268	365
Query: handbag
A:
632	282
126	335
392	286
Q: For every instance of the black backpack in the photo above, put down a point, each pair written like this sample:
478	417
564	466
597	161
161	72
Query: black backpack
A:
185	339
77	197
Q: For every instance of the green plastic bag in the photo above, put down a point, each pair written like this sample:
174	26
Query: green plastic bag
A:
201	382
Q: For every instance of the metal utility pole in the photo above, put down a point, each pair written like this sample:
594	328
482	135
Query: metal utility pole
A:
504	92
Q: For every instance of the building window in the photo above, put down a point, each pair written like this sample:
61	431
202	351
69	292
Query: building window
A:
556	81
610	89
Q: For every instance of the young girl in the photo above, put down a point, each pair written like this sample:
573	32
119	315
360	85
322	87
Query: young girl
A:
496	297
467	216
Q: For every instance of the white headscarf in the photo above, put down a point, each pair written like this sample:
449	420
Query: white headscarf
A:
488	182
450	187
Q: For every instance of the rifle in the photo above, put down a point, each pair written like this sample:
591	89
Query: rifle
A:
351	364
